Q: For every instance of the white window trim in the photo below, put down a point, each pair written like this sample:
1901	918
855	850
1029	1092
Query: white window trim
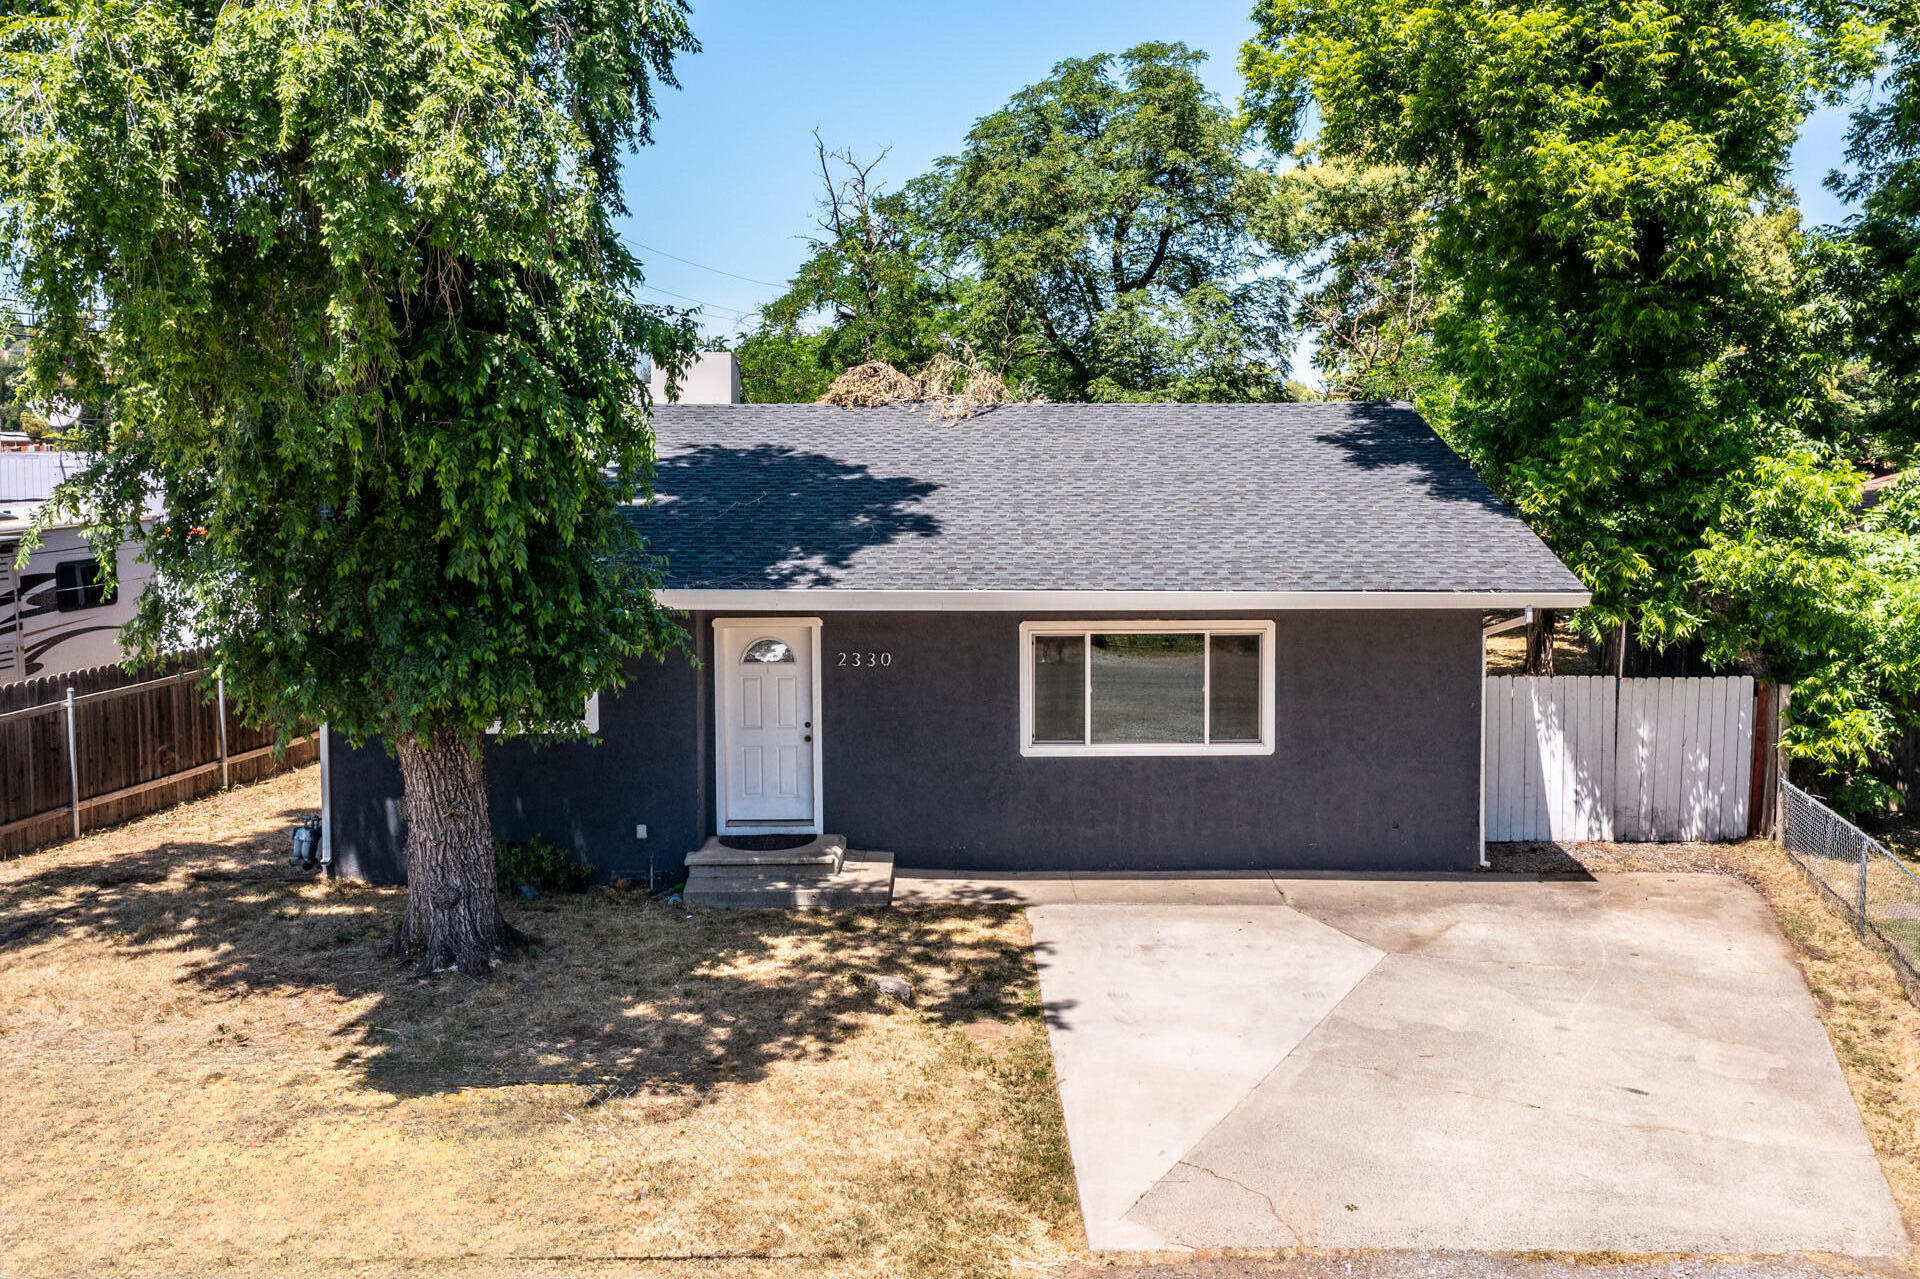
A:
818	825
1221	626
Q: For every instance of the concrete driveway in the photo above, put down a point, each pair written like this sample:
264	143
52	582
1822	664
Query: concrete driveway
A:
1632	1063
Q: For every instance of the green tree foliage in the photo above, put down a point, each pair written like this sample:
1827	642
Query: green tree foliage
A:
869	290
1872	267
1833	601
783	364
14	413
1090	242
870	274
1629	352
1842	293
1097	225
1358	233
57	419
344	277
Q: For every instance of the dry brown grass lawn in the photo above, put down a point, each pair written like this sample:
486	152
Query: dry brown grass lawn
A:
208	1064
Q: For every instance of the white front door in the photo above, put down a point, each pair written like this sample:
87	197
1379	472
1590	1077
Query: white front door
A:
767	737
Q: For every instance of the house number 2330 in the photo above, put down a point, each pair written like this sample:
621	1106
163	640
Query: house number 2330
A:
865	659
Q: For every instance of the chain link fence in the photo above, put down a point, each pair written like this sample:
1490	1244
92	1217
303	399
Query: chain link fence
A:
1869	886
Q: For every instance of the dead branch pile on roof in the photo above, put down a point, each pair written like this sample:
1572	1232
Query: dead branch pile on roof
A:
954	389
870	386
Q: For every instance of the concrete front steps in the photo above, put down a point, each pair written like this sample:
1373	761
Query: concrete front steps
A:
821	875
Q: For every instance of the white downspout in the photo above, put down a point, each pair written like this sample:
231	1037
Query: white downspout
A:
326	804
1511	624
1483	753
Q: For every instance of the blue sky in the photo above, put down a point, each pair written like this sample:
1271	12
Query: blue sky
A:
730	182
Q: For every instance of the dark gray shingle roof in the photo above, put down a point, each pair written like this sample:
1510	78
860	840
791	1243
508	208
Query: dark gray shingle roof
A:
1134	497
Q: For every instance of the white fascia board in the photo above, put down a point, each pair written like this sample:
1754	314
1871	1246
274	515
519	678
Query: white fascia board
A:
830	600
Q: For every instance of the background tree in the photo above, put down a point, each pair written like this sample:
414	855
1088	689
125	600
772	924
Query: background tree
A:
783	364
15	414
1844	293
1832	598
1098	227
45	420
345	281
1620	318
868	276
1356	235
1870	269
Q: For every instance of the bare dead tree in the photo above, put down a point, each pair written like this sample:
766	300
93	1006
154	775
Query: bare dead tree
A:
1364	335
847	214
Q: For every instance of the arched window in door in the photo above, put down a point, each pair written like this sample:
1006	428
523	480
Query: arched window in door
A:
768	650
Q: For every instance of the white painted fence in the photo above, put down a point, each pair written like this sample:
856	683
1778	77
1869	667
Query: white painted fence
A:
1589	757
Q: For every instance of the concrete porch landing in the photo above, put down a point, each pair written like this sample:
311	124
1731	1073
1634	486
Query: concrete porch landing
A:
822	875
822	850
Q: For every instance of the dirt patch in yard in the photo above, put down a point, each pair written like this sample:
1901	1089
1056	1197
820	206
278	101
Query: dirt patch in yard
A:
1899	831
1875	1029
1572	655
208	1063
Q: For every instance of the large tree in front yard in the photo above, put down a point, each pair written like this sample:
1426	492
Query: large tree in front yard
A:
343	276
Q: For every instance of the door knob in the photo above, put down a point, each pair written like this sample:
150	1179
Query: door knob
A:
807	738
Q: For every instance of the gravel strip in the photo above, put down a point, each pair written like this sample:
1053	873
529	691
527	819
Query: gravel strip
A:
1582	860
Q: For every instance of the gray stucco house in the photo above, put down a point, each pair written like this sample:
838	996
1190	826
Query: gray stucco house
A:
1063	636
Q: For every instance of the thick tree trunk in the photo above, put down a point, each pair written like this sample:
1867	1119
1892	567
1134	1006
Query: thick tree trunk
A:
1540	643
453	917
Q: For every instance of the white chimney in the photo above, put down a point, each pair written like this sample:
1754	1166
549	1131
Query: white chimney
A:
712	378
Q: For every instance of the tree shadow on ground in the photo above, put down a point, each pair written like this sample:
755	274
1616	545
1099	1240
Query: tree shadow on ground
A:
620	993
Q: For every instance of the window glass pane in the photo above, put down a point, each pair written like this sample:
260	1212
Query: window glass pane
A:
1148	688
1059	688
767	650
1235	688
77	584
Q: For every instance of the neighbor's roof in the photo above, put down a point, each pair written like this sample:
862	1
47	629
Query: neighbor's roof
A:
1271	499
32	476
27	480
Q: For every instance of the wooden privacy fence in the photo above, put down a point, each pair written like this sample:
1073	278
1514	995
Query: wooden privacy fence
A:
1598	758
90	749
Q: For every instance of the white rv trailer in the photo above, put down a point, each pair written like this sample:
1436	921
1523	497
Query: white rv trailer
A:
55	616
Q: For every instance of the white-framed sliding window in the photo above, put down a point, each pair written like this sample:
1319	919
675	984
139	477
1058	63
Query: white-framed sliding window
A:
1146	688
